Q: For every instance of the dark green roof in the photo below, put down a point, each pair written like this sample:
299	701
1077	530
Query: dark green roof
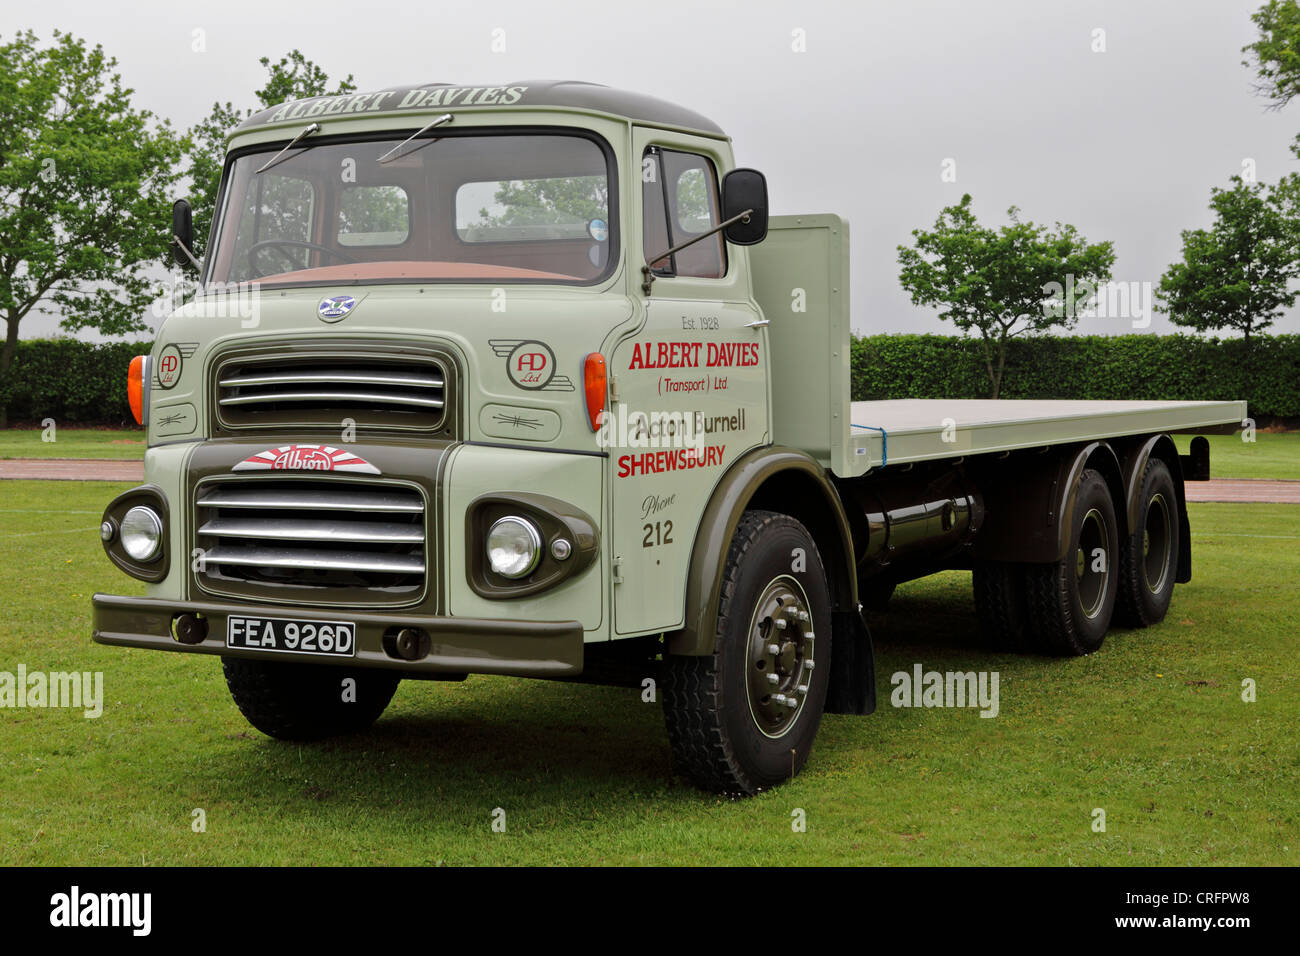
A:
569	94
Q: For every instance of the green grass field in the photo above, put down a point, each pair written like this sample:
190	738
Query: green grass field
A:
1272	455
72	443
1152	729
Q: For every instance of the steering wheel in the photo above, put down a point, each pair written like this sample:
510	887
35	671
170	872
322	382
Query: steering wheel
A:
257	247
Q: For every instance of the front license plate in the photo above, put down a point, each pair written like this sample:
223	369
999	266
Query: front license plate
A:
331	638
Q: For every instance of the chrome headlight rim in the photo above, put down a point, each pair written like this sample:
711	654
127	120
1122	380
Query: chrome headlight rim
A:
142	524
532	534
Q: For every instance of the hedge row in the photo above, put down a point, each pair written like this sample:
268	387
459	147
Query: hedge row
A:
72	381
1165	367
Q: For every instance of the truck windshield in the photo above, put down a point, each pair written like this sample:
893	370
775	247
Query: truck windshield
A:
451	208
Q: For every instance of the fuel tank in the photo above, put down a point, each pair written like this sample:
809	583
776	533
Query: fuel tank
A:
912	523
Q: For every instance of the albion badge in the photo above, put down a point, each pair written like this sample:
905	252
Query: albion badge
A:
306	458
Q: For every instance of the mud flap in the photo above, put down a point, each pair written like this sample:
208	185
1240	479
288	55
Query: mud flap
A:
853	665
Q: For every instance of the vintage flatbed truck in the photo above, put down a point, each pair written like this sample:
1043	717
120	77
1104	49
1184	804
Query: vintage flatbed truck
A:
523	380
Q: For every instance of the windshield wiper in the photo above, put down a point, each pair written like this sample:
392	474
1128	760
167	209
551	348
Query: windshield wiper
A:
307	131
388	157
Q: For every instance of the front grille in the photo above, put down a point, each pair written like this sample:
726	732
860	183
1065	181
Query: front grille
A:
357	541
388	391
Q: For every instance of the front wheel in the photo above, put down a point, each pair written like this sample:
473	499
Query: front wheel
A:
291	701
743	718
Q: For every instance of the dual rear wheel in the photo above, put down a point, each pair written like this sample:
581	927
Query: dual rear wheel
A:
1065	608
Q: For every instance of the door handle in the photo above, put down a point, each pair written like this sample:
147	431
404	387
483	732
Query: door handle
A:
758	323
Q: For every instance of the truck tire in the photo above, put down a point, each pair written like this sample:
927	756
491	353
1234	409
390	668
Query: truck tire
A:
1000	605
305	701
1070	602
1148	559
743	718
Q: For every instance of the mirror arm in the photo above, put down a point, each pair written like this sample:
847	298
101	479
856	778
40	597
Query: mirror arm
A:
648	275
189	254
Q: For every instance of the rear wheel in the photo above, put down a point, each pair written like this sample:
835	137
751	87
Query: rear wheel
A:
1000	604
743	718
292	701
1148	559
1070	602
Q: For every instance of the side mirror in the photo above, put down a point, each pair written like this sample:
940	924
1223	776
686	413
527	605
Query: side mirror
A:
182	230
745	189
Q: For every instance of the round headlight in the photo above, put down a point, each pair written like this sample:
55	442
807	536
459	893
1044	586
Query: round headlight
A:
141	533
514	546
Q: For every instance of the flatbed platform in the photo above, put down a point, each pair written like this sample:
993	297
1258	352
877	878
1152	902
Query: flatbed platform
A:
891	433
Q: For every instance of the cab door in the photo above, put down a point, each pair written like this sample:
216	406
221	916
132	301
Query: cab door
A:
690	382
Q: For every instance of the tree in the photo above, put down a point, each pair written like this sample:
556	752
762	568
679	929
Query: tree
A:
1002	283
1276	54
1237	274
206	155
567	199
84	181
293	77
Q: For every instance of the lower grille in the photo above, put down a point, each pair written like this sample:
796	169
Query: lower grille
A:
360	540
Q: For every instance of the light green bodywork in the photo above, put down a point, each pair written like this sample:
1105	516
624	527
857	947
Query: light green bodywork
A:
801	280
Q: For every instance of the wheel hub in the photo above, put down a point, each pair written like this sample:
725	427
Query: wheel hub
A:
1157	537
1092	563
780	656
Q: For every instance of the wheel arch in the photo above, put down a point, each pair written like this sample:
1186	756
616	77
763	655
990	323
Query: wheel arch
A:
793	483
1100	457
1029	499
1134	458
777	479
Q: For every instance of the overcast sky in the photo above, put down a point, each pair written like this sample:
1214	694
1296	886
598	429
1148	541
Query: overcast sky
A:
1125	144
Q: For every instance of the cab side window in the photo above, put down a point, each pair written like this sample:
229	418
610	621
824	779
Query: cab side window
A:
679	195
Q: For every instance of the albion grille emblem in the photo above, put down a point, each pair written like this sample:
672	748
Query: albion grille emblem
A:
307	458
